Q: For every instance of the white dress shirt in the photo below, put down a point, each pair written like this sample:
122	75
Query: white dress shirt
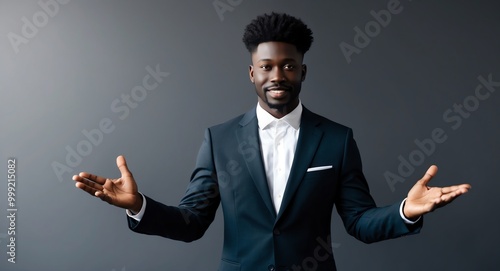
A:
278	138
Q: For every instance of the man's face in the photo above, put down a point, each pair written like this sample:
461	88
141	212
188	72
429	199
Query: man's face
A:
277	72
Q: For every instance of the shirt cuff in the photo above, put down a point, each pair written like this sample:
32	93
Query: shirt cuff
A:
406	220
139	215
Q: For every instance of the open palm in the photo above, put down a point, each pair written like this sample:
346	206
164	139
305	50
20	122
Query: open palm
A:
423	199
121	192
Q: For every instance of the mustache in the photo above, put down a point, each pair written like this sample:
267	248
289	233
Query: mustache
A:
285	87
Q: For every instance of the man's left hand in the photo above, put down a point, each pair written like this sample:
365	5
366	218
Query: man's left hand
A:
423	199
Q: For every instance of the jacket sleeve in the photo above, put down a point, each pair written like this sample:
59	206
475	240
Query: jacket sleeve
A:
196	211
360	215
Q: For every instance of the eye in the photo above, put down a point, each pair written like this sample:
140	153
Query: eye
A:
289	67
265	67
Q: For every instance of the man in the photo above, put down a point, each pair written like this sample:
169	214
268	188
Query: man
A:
278	171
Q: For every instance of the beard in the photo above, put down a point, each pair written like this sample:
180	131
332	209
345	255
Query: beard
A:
292	92
279	107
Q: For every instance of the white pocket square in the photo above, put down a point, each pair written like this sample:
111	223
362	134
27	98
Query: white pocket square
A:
318	168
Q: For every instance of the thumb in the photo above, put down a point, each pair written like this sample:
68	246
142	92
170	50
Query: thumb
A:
431	172
122	166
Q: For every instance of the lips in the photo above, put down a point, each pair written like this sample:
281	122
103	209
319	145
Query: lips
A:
278	88
276	94
278	91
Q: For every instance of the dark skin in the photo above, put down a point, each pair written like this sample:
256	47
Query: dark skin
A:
277	72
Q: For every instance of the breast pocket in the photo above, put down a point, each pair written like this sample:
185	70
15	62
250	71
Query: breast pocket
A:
320	187
321	173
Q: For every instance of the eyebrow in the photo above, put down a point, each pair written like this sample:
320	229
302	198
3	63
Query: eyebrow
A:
285	60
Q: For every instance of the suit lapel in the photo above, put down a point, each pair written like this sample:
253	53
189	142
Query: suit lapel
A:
308	141
249	147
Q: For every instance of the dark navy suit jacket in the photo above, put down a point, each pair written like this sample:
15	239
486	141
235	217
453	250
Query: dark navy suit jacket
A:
229	170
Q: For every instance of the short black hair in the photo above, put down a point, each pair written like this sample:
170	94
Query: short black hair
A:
277	27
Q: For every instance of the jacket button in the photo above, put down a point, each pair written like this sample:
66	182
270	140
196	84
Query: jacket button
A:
276	232
271	268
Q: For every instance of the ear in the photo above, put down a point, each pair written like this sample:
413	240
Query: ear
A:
250	73
304	72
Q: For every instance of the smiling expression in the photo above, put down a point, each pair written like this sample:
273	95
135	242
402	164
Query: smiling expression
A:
277	73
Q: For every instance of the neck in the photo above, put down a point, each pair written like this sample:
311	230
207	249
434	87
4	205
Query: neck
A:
279	111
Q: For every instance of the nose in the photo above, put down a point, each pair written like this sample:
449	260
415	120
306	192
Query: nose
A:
278	75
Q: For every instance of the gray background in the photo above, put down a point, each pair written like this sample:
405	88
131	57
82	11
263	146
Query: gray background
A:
65	78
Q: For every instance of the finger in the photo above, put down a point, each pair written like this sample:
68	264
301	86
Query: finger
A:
122	166
92	191
102	196
462	188
447	198
92	177
87	182
431	172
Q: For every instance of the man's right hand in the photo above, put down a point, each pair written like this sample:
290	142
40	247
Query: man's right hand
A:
121	192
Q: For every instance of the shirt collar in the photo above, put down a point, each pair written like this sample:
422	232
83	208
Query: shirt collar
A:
292	118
